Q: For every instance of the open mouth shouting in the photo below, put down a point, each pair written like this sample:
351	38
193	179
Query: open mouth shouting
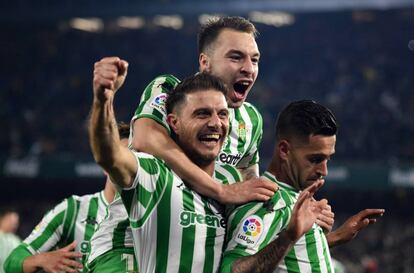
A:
240	88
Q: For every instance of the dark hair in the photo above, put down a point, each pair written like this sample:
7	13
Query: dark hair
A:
123	129
301	119
209	31
198	82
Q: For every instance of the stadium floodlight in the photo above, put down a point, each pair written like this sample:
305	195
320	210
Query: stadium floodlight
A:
277	19
170	21
87	24
130	22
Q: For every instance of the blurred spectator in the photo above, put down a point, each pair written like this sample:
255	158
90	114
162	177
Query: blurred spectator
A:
9	223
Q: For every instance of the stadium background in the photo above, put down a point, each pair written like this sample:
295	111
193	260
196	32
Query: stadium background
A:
357	57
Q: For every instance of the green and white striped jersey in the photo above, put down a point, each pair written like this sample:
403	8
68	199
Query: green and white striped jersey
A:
75	218
246	123
113	233
253	226
175	229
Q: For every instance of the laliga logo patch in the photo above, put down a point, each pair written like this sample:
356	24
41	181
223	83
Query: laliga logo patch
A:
251	231
159	102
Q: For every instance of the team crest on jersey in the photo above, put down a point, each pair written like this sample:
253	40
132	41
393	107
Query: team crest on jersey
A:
250	231
159	102
242	131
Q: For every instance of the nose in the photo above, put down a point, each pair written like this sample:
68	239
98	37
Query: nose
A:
323	168
248	66
214	121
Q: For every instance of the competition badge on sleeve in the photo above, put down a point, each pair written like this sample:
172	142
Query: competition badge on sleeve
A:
159	103
250	231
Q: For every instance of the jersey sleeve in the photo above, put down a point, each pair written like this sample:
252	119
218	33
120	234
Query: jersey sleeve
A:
14	262
151	182
250	228
152	102
251	157
48	233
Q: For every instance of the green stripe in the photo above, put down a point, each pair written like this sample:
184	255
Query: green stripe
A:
240	142
69	215
312	251
325	247
146	96
90	224
188	236
255	118
291	262
209	244
73	215
160	187
163	224
227	147
49	230
118	240
234	172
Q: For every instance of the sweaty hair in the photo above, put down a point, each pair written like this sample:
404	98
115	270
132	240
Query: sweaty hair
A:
209	31
196	83
301	119
123	129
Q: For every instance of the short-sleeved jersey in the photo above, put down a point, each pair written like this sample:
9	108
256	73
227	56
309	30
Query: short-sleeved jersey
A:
75	218
252	226
245	128
174	228
113	233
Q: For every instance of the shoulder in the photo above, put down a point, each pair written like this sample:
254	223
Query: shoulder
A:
166	82
227	174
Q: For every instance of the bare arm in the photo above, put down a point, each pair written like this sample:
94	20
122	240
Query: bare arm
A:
115	159
250	172
304	215
349	230
61	260
161	145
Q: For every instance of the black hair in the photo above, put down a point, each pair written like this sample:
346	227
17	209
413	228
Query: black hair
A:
209	31
301	119
198	82
123	129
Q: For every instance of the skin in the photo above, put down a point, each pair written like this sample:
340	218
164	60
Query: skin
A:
295	161
204	114
234	57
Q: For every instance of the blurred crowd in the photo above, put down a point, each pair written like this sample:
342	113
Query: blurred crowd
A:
357	63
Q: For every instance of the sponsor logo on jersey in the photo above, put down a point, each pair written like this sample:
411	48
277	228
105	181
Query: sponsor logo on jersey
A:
229	158
188	218
159	103
250	231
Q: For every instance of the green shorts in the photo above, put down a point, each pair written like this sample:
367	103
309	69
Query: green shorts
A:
115	261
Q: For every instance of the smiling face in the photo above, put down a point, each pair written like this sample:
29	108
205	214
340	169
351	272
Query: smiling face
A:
201	125
306	162
234	58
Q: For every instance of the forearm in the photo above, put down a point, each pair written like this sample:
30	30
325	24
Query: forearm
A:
267	259
16	261
103	135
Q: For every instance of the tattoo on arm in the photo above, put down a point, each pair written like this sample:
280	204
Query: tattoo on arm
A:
267	259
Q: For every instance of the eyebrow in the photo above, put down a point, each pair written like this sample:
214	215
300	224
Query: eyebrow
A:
236	51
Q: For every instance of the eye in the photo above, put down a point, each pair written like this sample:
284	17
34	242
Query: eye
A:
317	159
255	60
202	113
223	114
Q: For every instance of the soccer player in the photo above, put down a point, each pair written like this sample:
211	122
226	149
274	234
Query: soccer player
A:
175	229
9	222
228	50
281	236
111	246
61	241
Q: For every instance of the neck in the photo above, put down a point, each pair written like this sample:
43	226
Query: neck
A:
278	169
109	191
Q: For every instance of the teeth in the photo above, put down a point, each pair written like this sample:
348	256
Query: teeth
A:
210	137
214	136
